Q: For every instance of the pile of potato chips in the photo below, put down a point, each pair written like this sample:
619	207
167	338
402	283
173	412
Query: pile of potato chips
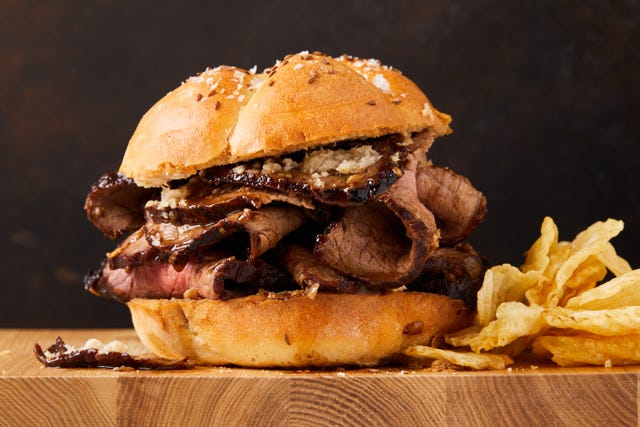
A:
554	306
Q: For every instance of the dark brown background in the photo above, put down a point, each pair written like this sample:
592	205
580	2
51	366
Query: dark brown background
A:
545	98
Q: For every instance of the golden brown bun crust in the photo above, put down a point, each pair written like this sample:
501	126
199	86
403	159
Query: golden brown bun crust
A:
227	114
331	330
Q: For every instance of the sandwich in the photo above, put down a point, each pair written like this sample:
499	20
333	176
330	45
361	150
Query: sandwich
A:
289	218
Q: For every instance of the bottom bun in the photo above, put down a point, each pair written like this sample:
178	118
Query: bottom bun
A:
263	331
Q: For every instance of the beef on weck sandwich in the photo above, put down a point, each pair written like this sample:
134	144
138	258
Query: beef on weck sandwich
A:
289	218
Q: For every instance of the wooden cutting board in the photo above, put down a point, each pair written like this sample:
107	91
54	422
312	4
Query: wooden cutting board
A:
525	395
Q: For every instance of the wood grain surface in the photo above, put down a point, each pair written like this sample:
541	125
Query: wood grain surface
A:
525	395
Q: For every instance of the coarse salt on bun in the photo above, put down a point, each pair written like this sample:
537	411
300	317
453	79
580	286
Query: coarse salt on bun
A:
227	114
263	331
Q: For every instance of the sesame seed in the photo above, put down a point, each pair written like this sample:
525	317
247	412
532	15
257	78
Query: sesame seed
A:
381	83
241	98
427	112
314	76
238	74
199	97
213	92
298	66
372	102
271	82
373	63
324	61
217	106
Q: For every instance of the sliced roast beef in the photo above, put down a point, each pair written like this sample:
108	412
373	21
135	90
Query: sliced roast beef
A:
115	204
264	227
203	207
208	236
133	251
456	204
347	182
385	242
217	277
456	272
310	273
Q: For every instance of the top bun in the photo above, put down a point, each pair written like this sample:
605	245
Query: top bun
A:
226	114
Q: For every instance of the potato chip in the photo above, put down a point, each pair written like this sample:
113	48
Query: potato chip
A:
518	346
613	261
470	360
619	292
599	231
590	349
591	241
585	277
502	283
557	256
538	255
513	320
554	305
615	321
539	294
463	337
